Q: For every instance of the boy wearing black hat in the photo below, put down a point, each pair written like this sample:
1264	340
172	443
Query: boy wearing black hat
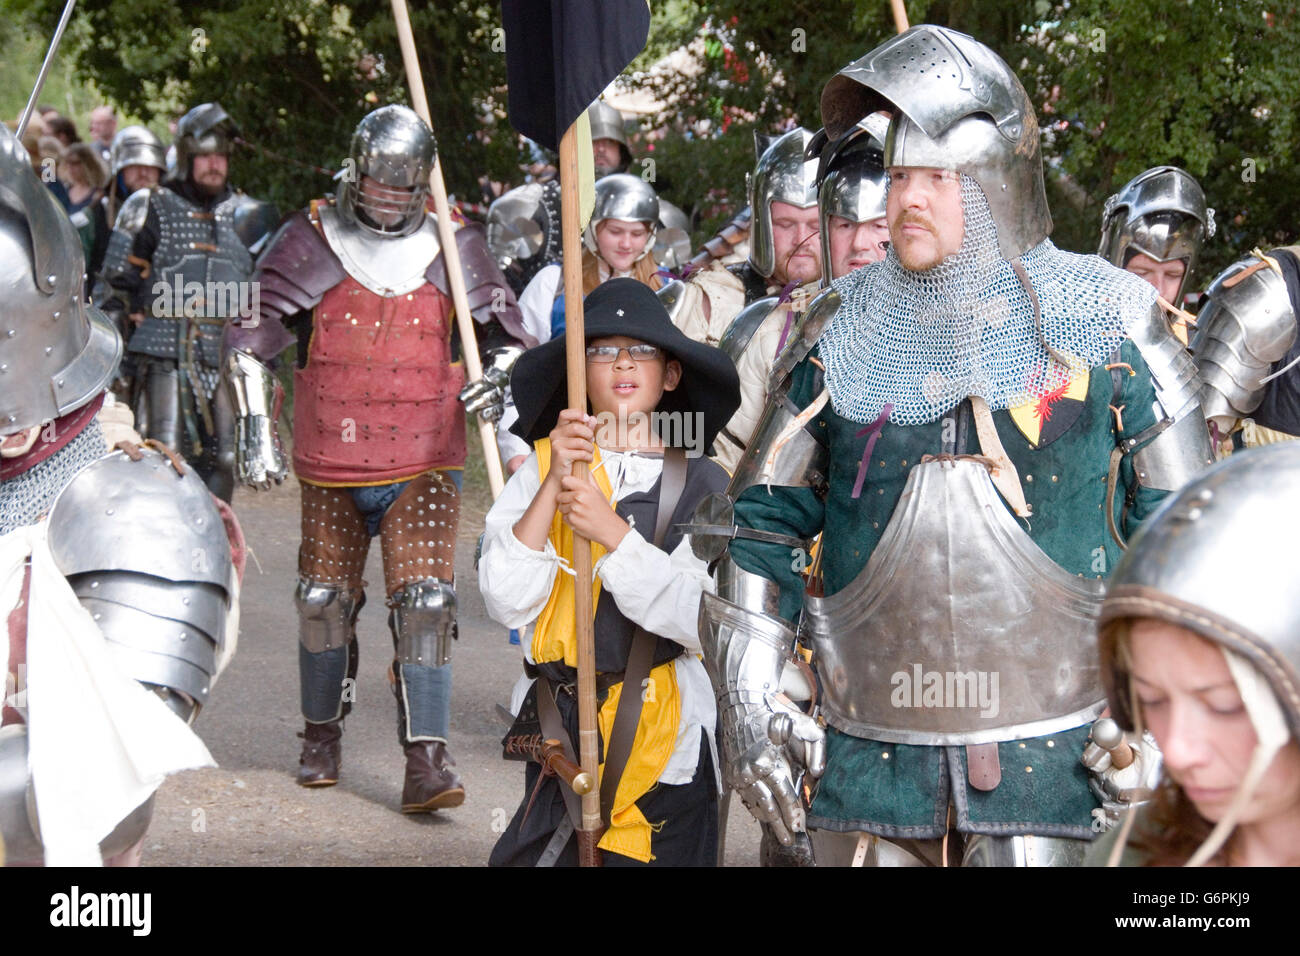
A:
651	391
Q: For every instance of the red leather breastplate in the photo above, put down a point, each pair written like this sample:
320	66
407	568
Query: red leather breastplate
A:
378	398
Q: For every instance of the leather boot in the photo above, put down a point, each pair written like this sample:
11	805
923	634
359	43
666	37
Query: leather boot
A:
431	784
321	754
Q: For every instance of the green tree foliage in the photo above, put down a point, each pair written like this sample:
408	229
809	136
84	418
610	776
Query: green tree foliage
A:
297	76
1120	86
1209	85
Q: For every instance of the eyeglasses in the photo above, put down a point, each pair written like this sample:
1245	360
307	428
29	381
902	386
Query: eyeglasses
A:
604	354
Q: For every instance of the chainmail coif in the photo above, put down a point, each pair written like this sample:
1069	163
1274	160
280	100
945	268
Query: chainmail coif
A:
24	499
927	340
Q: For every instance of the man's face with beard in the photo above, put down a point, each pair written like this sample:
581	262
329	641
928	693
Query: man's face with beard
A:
926	224
210	170
798	252
138	176
606	156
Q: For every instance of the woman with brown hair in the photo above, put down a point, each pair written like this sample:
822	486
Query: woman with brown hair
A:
1200	645
82	172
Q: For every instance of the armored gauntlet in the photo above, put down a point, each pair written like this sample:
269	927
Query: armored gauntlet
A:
767	742
257	397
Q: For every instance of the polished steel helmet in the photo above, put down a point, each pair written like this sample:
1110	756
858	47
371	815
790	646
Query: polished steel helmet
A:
516	224
136	146
626	198
673	239
607	123
396	150
1246	324
854	184
1161	213
783	174
57	352
1216	558
957	106
203	130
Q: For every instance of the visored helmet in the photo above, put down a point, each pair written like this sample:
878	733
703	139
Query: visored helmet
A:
783	174
394	148
136	146
956	105
1160	213
204	130
56	351
626	198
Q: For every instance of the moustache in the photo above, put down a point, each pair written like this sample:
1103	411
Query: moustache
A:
912	219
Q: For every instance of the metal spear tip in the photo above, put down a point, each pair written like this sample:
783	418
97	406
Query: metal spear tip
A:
1107	734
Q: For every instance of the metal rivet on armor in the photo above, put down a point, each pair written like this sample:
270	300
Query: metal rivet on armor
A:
108	511
1029	477
904	462
12	332
1205	494
885	755
98	617
876	525
59	383
1022	746
1051	743
51	278
1055	478
1029	770
1194	514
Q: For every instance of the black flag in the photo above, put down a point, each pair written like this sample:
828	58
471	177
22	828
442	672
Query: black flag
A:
561	54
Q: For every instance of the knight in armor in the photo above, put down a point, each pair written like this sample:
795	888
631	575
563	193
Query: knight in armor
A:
973	425
180	262
137	161
115	566
744	309
617	242
1154	227
1248	352
379	433
1204	652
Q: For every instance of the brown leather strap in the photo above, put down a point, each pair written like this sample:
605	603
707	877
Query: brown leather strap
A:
983	768
641	656
548	715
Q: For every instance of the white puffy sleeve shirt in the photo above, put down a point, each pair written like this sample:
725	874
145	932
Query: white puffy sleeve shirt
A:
658	591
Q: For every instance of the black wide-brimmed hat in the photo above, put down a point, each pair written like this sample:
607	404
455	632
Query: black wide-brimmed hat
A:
709	384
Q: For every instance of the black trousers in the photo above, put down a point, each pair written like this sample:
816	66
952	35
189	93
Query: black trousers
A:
688	814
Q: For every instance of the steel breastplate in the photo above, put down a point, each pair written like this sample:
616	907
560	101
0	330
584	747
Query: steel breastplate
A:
959	629
385	266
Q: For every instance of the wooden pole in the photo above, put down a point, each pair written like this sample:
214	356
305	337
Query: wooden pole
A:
459	298
900	15
575	355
